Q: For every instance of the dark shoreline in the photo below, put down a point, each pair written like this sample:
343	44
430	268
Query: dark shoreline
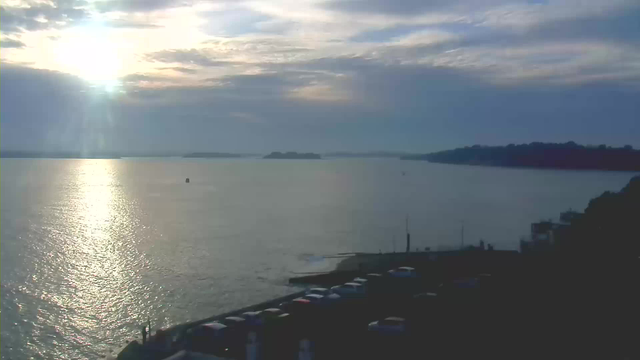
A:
568	156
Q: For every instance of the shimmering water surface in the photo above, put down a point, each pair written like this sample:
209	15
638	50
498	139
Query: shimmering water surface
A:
92	248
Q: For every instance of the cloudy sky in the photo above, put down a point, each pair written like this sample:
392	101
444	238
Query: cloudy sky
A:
317	75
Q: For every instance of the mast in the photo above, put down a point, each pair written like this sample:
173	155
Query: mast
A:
408	235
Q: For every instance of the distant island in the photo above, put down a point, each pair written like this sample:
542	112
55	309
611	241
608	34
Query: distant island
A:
540	155
371	154
212	155
292	155
54	155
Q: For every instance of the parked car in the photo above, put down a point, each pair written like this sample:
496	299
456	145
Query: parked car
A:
425	304
319	291
314	298
349	289
374	278
297	306
271	313
235	321
389	325
253	318
376	283
360	280
331	298
210	338
238	330
403	272
279	338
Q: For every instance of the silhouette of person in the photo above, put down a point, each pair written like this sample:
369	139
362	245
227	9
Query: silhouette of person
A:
144	334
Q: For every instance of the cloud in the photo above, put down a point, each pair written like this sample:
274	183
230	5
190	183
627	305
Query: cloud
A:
386	34
39	16
618	24
142	77
410	107
234	21
264	48
139	5
131	24
11	43
407	7
59	98
191	56
182	70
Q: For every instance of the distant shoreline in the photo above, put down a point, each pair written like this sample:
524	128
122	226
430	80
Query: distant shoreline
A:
29	155
568	156
293	156
214	155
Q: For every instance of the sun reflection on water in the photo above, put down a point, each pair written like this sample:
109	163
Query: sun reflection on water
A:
96	210
101	264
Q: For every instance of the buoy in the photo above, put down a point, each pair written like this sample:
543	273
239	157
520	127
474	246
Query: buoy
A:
187	181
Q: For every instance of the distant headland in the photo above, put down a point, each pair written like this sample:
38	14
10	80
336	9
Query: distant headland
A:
292	155
540	155
212	155
55	155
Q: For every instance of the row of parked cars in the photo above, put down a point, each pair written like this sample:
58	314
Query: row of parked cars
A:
316	309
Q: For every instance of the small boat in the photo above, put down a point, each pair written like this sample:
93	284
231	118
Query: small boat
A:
187	180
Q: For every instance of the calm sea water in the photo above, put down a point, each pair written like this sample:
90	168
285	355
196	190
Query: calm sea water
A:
92	248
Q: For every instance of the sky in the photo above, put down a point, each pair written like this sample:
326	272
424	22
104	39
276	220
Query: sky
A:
149	76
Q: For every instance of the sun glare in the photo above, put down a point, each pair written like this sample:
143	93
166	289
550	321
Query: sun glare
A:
90	54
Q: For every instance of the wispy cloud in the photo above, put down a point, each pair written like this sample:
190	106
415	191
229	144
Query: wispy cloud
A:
191	56
40	16
11	43
179	69
139	5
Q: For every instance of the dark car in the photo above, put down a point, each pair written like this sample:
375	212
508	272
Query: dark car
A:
403	272
270	313
298	306
280	337
253	319
390	325
238	329
211	338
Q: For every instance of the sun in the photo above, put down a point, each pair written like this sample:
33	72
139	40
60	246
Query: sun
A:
91	54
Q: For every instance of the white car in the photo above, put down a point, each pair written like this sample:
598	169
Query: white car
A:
390	325
331	298
314	298
271	313
349	289
403	272
319	291
253	318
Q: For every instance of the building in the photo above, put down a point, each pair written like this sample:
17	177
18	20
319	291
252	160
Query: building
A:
545	234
